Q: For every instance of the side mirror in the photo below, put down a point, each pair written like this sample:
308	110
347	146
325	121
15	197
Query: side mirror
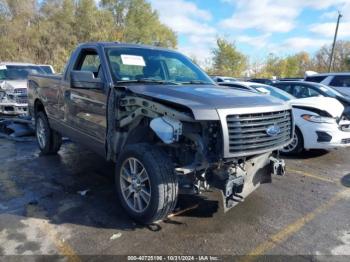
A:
85	80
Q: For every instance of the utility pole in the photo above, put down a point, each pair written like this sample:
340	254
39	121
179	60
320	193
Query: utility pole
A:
334	41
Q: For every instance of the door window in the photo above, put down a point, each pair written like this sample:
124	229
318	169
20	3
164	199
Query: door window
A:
316	79
90	61
285	87
301	91
341	81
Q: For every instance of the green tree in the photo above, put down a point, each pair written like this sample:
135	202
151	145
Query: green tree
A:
227	60
46	31
290	66
297	64
274	66
341	55
347	63
137	22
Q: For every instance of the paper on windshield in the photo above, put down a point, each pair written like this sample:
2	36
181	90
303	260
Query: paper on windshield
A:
134	60
3	67
263	90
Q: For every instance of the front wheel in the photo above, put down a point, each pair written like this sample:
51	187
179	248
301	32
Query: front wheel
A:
49	141
296	146
146	183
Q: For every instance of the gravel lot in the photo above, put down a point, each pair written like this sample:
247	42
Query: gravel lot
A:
306	212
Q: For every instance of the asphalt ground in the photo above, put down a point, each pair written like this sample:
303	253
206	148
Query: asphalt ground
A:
304	215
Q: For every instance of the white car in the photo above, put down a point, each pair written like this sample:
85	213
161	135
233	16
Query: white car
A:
339	81
13	86
319	121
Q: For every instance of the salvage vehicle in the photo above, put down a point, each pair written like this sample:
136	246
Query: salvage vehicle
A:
338	81
13	87
320	122
164	122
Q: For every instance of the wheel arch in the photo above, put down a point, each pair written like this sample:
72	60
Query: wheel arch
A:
141	133
38	107
297	128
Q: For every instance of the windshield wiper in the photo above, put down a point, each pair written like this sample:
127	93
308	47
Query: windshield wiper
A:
196	82
149	80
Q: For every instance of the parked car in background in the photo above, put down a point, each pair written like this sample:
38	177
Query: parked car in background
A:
339	81
303	89
164	122
223	79
319	121
13	86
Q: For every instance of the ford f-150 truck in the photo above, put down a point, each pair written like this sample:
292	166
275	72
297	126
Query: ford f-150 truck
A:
164	122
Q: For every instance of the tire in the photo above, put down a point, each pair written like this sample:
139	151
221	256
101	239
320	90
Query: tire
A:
49	141
296	146
161	186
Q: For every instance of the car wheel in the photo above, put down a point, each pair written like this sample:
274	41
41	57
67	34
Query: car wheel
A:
49	141
296	146
146	183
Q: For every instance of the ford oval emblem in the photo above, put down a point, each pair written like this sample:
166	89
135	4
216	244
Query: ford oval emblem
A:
273	130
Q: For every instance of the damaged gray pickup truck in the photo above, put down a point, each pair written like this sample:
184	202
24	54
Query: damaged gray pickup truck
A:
162	120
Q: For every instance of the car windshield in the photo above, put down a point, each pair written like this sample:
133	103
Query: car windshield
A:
47	69
18	72
153	66
328	90
273	91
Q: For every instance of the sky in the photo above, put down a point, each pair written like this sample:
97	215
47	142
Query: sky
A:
257	27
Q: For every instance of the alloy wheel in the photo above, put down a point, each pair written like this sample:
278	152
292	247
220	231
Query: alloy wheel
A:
41	132
135	185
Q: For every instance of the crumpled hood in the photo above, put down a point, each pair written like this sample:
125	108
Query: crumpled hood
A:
204	100
13	84
328	104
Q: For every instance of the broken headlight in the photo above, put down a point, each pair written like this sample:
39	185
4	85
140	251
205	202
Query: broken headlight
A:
167	129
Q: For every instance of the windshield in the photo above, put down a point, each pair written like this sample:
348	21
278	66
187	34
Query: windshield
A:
273	91
328	90
18	72
47	69
140	64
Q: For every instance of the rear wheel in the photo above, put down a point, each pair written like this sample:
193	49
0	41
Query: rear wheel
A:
146	183
296	146
49	141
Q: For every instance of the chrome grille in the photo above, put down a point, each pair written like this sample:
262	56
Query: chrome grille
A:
247	133
20	91
21	100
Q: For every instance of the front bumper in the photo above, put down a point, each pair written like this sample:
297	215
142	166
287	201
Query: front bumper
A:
236	186
325	136
8	108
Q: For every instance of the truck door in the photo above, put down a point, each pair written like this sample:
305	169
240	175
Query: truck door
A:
86	107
